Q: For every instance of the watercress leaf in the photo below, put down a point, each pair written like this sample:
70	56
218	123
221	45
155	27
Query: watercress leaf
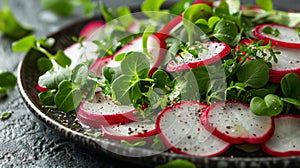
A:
162	79
234	6
179	7
124	16
212	21
62	59
9	25
135	64
3	91
60	7
7	80
295	102
68	96
135	92
178	163
222	10
290	85
108	16
152	9
120	89
44	64
254	73
271	105
47	98
5	115
51	79
80	74
203	78
24	44
265	4
130	144
226	31
203	25
88	7
90	88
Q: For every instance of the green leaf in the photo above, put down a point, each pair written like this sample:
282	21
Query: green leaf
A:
180	7
157	144
95	135
44	64
271	105
226	31
249	148
108	16
7	81
162	79
24	44
148	31
68	96
290	85
120	89
5	115
47	98
203	79
61	58
135	64
51	79
124	16
271	31
134	144
80	74
265	4
178	163
151	8
212	21
234	6
254	73
295	102
60	7
9	25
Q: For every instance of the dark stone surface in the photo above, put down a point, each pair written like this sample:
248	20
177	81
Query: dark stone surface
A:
24	140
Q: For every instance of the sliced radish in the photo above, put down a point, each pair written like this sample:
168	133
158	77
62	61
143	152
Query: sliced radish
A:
288	37
135	27
211	53
180	128
288	61
130	131
167	30
97	66
90	28
235	123
103	111
286	138
40	88
78	53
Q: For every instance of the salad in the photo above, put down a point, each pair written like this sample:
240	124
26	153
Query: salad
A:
199	78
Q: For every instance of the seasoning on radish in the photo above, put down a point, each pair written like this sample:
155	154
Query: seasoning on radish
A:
180	128
130	131
286	138
233	122
211	53
286	36
103	111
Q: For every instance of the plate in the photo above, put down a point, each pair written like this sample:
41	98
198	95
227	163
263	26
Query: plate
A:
65	123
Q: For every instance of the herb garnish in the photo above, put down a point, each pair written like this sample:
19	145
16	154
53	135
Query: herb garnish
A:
5	115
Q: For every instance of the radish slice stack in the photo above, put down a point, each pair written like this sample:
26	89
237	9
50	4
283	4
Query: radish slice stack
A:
211	53
180	128
286	138
235	123
103	111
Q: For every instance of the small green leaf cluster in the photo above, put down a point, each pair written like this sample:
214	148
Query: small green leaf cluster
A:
8	82
9	25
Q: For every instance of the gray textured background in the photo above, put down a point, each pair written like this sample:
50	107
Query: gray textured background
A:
26	142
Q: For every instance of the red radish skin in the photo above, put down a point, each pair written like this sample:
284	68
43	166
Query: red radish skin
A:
90	28
288	36
215	52
233	122
180	129
103	111
286	138
40	88
136	130
97	66
166	31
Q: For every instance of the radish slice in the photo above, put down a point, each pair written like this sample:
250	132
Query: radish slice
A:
167	30
286	138
235	123
288	61
130	131
97	66
78	53
180	128
103	111
40	88
212	52
90	28
288	37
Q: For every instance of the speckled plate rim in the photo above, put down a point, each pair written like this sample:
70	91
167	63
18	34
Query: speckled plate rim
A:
110	148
